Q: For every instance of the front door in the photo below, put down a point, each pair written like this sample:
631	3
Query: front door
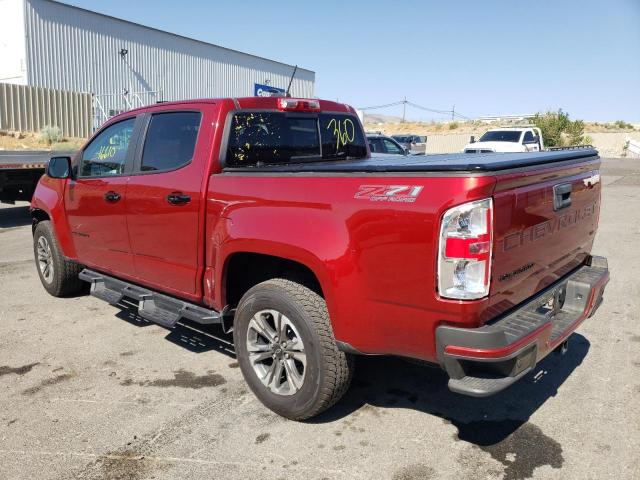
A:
164	201
95	200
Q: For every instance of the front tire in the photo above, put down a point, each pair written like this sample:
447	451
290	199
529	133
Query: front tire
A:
59	275
287	351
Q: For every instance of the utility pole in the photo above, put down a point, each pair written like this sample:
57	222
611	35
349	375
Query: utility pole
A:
453	112
404	108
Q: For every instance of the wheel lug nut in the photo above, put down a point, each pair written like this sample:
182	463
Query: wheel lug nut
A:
286	355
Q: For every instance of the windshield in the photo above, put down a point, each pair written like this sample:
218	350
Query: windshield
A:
278	137
501	136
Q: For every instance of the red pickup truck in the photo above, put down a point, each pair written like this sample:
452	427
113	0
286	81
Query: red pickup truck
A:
270	217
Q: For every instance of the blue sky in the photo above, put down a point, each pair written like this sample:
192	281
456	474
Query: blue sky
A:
487	57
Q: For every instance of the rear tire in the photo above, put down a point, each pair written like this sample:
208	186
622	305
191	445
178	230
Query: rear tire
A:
286	349
59	275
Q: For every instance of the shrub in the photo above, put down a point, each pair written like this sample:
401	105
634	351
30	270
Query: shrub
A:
453	125
50	134
622	124
558	131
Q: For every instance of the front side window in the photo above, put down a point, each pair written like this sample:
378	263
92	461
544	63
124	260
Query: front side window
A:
392	147
106	155
277	137
528	137
170	141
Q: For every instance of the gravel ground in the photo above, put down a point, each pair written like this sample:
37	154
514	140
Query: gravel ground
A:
91	391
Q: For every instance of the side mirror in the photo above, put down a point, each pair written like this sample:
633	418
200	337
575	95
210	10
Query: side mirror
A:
473	139
59	167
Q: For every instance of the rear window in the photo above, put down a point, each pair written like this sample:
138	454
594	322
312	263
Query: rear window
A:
277	137
501	136
171	140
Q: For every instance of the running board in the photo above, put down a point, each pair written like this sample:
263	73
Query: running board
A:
153	306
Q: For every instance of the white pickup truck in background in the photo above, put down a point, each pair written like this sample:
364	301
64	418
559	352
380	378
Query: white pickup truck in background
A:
507	139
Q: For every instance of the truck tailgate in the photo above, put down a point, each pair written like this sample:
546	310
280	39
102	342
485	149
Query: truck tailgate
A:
544	226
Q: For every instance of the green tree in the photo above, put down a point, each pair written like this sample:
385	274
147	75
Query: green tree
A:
558	130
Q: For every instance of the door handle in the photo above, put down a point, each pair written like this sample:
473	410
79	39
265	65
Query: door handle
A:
178	198
561	196
112	196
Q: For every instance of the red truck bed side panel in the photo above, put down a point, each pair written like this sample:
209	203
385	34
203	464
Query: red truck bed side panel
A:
374	257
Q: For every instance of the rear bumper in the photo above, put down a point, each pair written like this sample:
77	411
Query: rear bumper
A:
482	361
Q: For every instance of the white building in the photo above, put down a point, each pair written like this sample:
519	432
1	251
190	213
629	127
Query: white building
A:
50	44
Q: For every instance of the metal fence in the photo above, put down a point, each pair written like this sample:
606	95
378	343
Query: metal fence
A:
28	109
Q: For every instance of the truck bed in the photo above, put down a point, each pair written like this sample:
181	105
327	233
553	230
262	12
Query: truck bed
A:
457	162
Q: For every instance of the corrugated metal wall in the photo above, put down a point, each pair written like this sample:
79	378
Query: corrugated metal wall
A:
75	49
24	108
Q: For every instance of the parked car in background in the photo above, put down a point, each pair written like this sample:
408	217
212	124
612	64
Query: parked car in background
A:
409	141
379	143
507	139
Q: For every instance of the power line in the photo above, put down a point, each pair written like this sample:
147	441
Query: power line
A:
382	106
420	107
406	102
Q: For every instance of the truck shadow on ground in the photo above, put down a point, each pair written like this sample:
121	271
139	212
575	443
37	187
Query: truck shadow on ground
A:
12	217
195	338
382	383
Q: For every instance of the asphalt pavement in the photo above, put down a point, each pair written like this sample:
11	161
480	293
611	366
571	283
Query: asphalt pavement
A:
91	391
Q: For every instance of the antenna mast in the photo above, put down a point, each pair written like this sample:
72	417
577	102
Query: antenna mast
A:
295	69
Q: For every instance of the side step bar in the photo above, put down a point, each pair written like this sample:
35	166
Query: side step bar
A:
153	306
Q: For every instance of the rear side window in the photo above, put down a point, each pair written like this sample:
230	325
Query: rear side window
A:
170	141
106	155
276	137
375	146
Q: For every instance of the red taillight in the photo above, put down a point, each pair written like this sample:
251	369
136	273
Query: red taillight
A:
464	259
298	105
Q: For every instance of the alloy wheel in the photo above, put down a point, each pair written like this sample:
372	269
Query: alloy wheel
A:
45	259
276	352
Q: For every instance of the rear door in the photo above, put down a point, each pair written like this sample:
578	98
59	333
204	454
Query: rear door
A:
164	200
95	199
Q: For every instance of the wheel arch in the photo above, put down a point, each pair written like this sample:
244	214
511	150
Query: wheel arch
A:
38	215
243	269
47	204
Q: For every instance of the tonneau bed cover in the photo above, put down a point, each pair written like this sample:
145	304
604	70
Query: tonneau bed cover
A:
456	162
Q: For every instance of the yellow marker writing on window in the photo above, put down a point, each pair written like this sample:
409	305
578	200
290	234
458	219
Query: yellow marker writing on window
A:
344	131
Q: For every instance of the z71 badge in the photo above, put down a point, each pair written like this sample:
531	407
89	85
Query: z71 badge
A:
389	193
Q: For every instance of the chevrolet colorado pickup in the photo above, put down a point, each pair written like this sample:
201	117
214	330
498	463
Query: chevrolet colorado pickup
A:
269	217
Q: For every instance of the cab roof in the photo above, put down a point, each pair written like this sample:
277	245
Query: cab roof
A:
249	103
